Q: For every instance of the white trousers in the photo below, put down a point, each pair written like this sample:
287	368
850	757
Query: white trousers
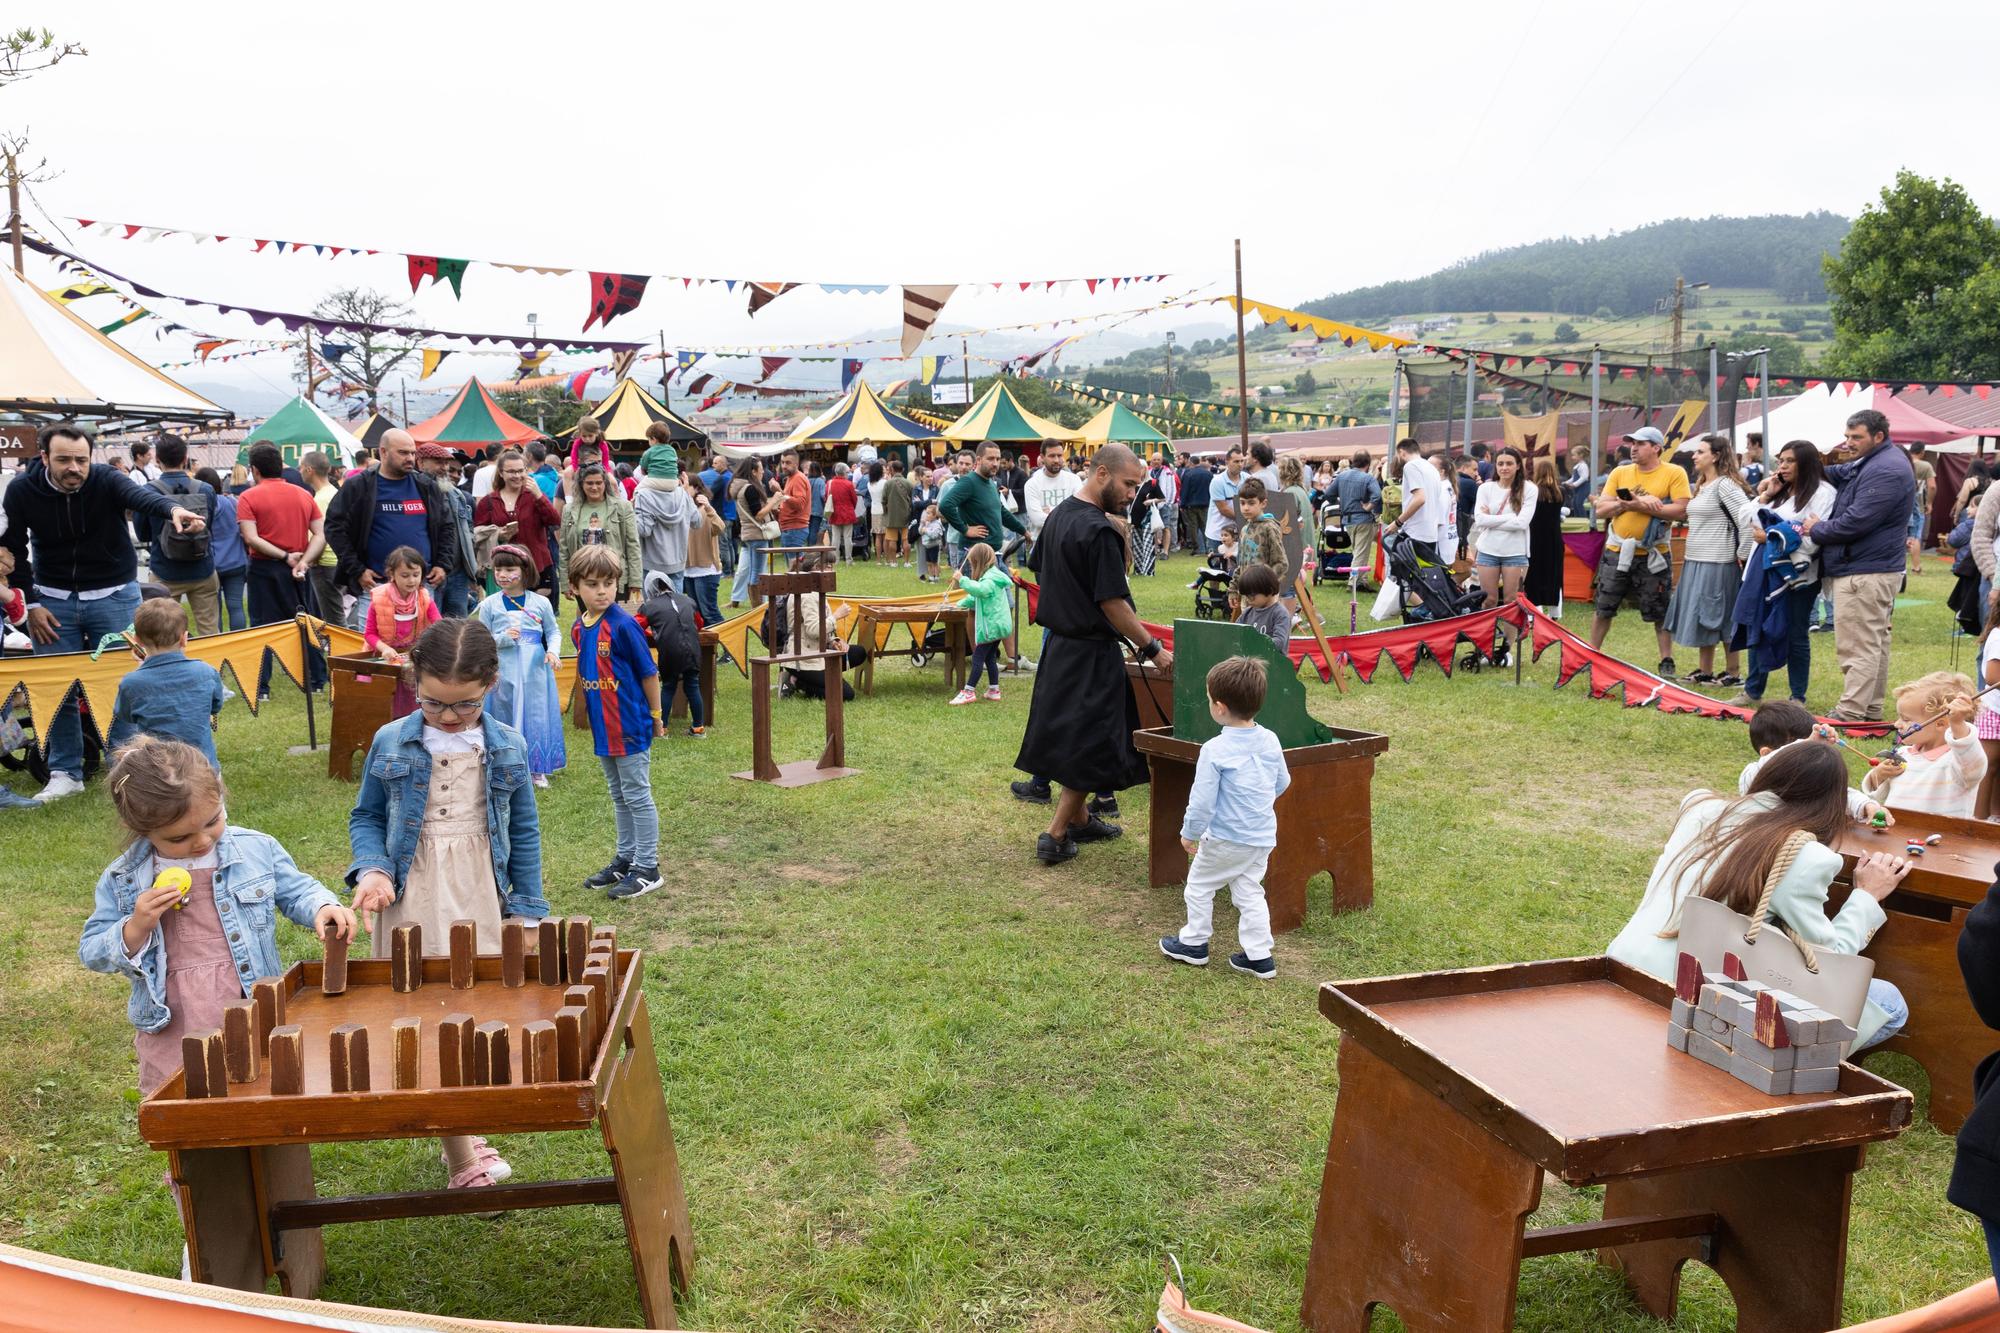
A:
1219	864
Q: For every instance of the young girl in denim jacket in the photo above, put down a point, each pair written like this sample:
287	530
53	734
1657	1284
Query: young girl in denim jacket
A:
445	829
190	952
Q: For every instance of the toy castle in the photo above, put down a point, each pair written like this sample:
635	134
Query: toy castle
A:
1770	1039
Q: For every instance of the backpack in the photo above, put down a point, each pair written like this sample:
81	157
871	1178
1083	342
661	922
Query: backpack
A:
187	547
670	620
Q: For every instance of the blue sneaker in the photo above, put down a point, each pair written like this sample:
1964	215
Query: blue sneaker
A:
1261	968
1194	955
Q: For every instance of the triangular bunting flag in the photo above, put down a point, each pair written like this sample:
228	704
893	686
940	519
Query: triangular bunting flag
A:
921	308
763	293
432	360
613	294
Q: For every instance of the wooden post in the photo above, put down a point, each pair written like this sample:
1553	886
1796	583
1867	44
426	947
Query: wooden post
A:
405	1060
455	1051
288	1060
1242	372
333	971
548	951
347	1057
464	947
239	1041
306	651
406	958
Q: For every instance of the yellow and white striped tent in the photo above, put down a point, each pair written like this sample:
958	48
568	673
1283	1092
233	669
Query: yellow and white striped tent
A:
628	410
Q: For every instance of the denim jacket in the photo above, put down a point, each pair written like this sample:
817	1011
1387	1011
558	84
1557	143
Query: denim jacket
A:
254	878
396	784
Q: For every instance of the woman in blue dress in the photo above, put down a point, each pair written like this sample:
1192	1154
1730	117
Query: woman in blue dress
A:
530	646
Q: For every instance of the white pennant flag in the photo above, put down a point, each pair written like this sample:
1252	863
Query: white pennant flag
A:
921	308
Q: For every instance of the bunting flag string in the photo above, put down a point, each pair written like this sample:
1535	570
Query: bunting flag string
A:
1323	329
1202	407
437	270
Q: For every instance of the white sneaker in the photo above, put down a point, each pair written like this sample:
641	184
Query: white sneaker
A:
60	785
1023	664
964	696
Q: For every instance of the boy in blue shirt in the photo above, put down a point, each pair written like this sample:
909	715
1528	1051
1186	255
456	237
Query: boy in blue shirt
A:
1231	823
621	691
168	694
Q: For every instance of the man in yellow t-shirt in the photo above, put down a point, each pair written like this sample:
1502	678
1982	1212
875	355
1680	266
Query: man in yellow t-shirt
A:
1642	498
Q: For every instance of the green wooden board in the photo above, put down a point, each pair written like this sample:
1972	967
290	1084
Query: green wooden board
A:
1199	645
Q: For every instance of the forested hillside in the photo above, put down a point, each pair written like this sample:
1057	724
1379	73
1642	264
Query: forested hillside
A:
1622	274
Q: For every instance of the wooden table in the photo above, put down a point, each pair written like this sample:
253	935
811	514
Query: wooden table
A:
1917	947
1324	819
241	1164
957	622
362	691
1458	1089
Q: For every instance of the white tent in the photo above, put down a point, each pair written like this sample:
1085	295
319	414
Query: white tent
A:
52	361
1820	415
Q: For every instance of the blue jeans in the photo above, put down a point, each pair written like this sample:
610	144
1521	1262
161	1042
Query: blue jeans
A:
704	588
232	582
79	625
728	550
630	779
456	595
749	566
797	536
1892	1003
1798	648
689	682
813	529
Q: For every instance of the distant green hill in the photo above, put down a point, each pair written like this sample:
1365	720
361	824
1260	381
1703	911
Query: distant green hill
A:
1624	273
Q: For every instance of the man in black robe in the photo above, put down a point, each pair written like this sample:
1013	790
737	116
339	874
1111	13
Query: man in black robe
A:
1083	714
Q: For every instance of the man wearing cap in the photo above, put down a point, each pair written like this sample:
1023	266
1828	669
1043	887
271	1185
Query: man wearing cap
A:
1642	500
455	597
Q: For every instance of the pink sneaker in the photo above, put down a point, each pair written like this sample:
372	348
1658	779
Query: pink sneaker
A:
993	694
964	696
474	1177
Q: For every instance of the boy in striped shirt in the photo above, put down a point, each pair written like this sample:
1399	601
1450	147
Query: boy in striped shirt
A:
621	691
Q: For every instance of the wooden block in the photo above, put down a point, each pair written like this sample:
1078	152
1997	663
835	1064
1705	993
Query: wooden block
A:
1776	1082
548	951
333	973
1816	1080
455	1051
1734	1011
598	978
268	994
405	1057
1770	1023
203	1077
1732	967
1820	1055
347	1057
406	958
606	934
1677	1035
576	945
1683	1013
1710	1051
1711	995
1712	1025
573	1047
1687	979
239	1041
288	1060
513	953
540	1061
1748	1047
464	948
491	1064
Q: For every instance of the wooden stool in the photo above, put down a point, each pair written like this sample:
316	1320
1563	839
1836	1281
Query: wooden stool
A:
363	695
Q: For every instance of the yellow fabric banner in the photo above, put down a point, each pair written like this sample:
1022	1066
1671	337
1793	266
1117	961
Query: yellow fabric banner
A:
1298	322
1533	436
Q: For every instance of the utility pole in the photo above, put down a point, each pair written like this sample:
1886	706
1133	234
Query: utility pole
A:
14	210
1242	371
965	369
1680	307
310	376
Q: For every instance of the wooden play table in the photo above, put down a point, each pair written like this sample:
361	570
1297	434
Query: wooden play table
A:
241	1164
1458	1089
1917	947
957	623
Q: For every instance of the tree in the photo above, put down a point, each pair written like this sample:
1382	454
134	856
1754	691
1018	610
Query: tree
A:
1916	287
1304	385
1523	338
355	357
1787	355
26	52
551	408
1565	332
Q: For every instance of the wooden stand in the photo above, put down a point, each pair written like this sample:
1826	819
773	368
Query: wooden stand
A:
1324	819
241	1162
1917	948
832	762
957	623
363	692
1458	1089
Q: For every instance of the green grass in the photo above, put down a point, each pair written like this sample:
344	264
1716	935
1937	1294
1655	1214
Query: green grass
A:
919	1081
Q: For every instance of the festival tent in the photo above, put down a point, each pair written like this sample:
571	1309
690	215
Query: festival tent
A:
859	418
998	417
298	428
472	421
371	428
628	411
1118	424
51	361
1820	415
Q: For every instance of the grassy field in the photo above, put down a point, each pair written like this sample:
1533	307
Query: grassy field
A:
919	1081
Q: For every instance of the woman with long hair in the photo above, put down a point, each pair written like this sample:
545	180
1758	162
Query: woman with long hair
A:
1724	848
1797	486
1502	510
601	516
1544	584
1720	520
756	507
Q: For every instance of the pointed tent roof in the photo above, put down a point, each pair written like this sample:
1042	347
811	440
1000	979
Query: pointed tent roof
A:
471	421
299	426
1000	418
52	361
371	428
860	418
628	410
1820	415
1118	424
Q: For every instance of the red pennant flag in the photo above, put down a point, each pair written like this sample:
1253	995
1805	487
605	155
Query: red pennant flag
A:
613	294
1024	286
1092	284
221	238
1982	389
333	252
707	403
771	365
578	381
85	222
132	229
261	245
425	266
1951	391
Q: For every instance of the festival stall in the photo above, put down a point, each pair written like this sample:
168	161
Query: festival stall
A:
1820	414
999	418
628	412
1118	424
300	427
473	423
370	429
859	418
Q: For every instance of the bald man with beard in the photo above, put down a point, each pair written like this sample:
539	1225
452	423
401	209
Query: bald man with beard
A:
1083	714
381	508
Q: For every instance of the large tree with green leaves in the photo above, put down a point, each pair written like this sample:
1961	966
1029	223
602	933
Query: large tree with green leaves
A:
1915	289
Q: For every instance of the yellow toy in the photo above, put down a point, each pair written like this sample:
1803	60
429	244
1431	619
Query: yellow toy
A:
174	877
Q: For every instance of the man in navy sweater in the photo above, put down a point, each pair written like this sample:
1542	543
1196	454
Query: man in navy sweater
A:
1861	557
74	562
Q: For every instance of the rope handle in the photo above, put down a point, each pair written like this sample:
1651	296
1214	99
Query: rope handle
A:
1788	852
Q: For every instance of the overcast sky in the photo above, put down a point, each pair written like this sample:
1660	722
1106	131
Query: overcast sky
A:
892	142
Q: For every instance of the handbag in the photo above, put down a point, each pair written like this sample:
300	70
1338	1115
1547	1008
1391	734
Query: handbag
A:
1836	982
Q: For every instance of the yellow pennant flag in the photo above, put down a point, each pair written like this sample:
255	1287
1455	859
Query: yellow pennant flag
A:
432	360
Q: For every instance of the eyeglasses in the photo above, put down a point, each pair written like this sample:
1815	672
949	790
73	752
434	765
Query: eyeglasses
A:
461	708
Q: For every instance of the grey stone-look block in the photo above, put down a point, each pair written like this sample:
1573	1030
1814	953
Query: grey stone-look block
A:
1732	1010
1710	1051
1683	1013
1677	1036
1777	1082
1746	1046
1713	1025
1823	1055
1711	995
1816	1080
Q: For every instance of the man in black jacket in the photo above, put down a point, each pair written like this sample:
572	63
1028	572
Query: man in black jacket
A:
382	508
74	563
1975	1175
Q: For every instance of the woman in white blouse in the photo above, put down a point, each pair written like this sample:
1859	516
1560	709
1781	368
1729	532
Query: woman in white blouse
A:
1797	487
1720	519
1501	512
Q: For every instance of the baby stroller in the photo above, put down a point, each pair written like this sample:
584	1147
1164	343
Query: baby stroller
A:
1428	590
1336	553
1211	592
